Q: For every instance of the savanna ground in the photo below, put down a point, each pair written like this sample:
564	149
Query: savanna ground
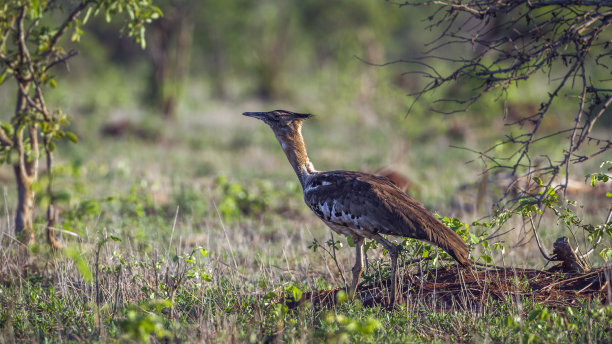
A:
199	231
194	229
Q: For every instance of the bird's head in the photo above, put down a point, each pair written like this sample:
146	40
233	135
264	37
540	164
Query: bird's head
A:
287	127
280	120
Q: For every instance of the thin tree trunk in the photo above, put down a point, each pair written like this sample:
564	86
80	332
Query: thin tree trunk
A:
26	172
51	212
170	53
24	226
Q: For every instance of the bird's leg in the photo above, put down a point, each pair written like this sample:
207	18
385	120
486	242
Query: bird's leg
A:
394	254
358	267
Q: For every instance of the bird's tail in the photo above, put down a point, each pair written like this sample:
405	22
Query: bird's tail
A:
460	252
454	245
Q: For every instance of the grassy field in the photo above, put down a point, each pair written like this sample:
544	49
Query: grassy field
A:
194	230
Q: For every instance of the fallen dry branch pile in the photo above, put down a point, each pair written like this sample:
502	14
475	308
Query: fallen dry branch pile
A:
446	289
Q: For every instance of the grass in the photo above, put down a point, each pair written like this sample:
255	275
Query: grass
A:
140	301
199	234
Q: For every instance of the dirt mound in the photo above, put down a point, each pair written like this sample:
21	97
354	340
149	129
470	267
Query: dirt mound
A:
450	289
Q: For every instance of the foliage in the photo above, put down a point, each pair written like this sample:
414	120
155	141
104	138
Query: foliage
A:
32	43
145	320
485	235
340	328
237	200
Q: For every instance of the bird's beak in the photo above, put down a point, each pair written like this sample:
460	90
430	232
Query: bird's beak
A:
258	115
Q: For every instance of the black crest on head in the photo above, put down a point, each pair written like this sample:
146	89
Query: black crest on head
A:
293	114
278	116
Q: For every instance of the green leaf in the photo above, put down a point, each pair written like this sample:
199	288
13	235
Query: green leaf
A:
270	295
341	296
143	42
538	181
7	128
87	14
473	238
80	263
71	136
510	322
529	338
114	238
609	194
527	201
51	146
206	277
61	196
349	239
53	83
295	292
534	314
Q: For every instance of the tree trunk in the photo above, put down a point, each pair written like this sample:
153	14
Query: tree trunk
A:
170	50
51	211
24	226
26	172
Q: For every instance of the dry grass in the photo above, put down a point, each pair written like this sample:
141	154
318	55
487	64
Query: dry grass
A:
253	254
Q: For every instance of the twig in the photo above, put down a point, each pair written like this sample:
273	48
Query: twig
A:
535	233
336	261
511	43
172	232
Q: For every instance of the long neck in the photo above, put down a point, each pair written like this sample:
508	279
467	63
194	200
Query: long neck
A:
292	142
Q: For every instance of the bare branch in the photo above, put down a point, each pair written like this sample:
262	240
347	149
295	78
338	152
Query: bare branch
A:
61	59
67	22
4	139
513	41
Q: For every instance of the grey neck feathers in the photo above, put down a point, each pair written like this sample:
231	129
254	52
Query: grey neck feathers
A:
292	142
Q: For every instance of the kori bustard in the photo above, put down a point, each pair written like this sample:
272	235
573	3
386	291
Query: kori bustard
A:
360	205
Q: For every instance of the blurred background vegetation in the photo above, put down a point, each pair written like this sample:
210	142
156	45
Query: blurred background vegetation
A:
165	162
206	62
168	117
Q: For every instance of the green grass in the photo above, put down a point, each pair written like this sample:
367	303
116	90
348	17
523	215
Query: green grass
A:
140	302
211	231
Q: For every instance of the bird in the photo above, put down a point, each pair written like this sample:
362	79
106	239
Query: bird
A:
360	205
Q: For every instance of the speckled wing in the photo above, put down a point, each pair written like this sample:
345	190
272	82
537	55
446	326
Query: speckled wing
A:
370	204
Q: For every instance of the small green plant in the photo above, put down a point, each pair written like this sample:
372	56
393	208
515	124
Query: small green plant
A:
237	200
294	292
142	321
340	328
563	209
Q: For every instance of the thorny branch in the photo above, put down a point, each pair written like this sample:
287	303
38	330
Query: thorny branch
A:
567	41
